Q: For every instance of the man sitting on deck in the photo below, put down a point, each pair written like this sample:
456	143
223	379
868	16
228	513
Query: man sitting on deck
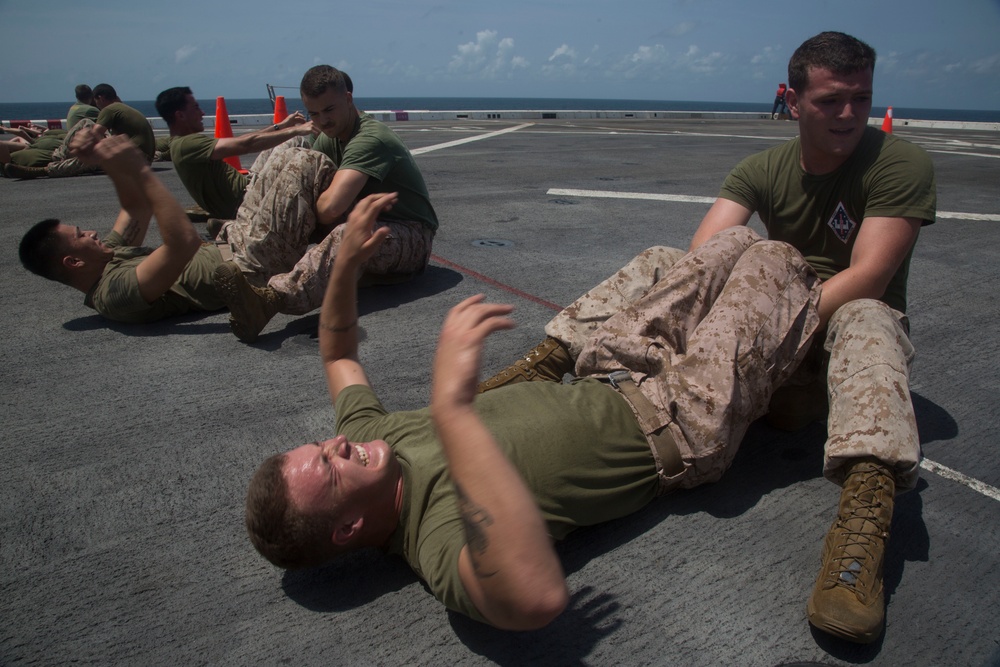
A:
366	158
200	159
116	117
852	200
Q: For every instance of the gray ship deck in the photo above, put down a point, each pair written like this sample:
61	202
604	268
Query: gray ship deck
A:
128	449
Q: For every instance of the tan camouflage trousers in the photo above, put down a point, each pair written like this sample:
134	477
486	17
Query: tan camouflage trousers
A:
274	227
62	164
868	355
870	368
708	343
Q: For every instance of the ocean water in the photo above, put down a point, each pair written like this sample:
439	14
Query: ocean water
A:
47	110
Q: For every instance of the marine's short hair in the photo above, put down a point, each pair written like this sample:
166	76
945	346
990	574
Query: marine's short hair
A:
835	51
84	94
317	80
170	101
278	530
105	90
41	251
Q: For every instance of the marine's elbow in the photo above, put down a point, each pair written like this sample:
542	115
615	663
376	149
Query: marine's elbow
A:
537	610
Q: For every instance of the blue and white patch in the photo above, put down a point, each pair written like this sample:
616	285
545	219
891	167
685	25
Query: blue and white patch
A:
841	223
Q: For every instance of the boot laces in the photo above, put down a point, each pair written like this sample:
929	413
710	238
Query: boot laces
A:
858	551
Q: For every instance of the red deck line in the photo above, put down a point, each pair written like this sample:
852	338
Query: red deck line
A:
495	283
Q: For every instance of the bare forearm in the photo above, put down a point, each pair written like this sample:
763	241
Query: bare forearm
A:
338	320
137	211
844	287
254	142
723	214
174	225
338	198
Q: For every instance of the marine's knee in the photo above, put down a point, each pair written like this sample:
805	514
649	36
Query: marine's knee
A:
868	321
742	235
777	253
861	311
661	256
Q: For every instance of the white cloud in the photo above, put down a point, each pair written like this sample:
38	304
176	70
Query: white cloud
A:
487	57
394	69
563	51
184	53
708	63
655	62
646	55
989	65
768	56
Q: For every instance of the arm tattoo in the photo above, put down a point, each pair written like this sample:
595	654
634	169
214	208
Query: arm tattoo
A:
128	234
330	327
474	519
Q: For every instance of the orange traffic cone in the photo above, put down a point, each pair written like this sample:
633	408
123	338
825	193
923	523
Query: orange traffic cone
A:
224	130
280	110
887	123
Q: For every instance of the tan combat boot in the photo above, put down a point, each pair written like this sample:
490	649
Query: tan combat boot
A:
548	361
848	600
13	170
250	308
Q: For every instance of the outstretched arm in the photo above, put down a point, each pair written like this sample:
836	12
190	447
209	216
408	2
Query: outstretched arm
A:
294	125
338	319
508	565
142	195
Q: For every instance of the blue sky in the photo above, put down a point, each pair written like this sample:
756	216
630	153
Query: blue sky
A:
932	53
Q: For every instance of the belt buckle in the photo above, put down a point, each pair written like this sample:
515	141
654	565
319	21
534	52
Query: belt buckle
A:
618	376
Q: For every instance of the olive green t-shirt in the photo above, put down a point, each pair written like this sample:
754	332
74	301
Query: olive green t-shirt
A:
120	118
821	215
49	140
578	448
213	184
116	295
78	112
377	152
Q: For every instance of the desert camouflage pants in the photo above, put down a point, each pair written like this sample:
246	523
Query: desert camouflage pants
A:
867	378
271	235
62	164
869	355
709	342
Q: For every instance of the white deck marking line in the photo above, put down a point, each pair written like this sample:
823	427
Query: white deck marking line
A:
459	142
630	195
969	216
974	484
934	150
611	194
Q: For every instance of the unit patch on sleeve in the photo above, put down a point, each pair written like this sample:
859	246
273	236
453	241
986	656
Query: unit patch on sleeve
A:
841	223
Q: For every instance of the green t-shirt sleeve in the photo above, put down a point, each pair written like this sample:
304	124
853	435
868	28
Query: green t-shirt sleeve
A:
437	556
738	185
113	239
192	148
358	411
117	295
370	156
213	184
902	184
